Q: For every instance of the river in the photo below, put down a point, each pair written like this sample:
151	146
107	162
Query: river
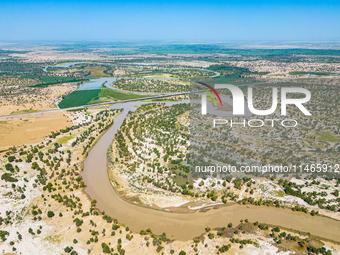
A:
184	226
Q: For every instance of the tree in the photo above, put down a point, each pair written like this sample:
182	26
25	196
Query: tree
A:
11	158
276	229
9	167
50	214
78	222
68	249
283	234
106	248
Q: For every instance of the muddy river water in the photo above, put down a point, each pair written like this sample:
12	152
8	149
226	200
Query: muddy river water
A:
184	226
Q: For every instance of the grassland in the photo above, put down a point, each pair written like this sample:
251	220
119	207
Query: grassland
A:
65	139
97	72
79	98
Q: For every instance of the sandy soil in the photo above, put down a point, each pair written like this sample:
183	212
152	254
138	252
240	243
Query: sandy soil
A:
42	99
31	128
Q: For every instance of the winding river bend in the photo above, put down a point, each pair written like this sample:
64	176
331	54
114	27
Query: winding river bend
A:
184	226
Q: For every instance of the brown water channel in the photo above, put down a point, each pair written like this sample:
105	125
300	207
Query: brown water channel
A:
184	226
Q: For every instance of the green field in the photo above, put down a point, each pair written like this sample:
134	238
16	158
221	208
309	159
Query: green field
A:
84	97
118	95
50	80
79	98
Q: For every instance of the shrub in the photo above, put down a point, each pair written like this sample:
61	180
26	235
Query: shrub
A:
277	229
159	248
78	222
50	214
68	249
224	248
11	158
9	167
8	177
106	248
129	237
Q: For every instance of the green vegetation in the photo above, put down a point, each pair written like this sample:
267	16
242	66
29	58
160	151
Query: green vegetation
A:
75	110
24	111
234	79
228	70
118	95
145	85
46	80
84	97
8	177
163	128
78	222
166	163
79	98
298	73
106	248
3	235
50	214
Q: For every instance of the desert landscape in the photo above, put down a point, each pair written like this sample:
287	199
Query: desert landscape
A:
98	151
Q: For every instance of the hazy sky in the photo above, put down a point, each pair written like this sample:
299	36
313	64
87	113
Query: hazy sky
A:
170	20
